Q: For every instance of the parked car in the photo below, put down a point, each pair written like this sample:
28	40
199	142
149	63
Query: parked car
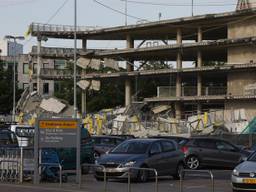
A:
125	136
180	140
104	143
160	154
244	175
8	139
201	151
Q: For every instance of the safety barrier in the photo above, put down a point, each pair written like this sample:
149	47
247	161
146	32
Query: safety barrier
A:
9	170
183	172
143	169
97	166
54	165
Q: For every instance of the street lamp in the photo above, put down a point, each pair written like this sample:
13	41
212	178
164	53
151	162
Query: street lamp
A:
14	38
75	58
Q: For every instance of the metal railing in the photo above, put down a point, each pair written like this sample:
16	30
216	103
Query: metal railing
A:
9	170
54	165
40	27
142	169
183	172
96	166
170	91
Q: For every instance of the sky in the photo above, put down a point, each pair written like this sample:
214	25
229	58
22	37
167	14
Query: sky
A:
16	15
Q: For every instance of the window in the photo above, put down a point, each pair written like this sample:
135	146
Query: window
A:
205	143
131	147
46	88
25	85
107	141
35	68
59	64
25	68
167	146
156	148
46	65
221	145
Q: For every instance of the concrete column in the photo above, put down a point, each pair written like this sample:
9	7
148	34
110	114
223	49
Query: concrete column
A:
199	63
179	36
199	84
199	108
177	111
39	61
199	34
179	64
199	53
129	67
178	86
83	95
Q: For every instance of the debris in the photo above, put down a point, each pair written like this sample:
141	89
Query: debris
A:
52	105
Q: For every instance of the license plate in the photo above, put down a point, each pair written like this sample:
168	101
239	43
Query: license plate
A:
249	181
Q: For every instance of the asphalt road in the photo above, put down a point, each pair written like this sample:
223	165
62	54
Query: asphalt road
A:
192	183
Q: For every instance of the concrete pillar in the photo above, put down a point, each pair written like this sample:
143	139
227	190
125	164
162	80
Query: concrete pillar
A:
199	84
199	63
199	53
179	36
199	108
83	95
199	34
178	85
177	110
179	64
39	63
129	67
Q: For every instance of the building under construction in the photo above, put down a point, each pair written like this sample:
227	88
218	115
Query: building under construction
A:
218	49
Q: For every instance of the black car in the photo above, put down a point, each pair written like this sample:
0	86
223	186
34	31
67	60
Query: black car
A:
104	143
160	154
215	152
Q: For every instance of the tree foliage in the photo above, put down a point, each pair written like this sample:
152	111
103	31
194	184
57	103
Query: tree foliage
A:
6	89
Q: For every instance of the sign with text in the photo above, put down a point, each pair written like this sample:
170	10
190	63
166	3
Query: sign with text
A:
59	133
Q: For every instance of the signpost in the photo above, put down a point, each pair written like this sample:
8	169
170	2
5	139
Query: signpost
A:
56	133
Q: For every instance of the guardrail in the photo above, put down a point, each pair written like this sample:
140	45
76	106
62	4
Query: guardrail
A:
95	166
143	169
54	165
182	175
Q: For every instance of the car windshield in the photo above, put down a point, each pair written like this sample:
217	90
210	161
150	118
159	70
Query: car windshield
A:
133	147
252	157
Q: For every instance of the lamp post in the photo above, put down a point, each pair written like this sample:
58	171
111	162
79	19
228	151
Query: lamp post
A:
14	38
75	58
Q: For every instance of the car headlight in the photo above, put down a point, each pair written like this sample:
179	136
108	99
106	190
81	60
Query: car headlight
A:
129	164
235	172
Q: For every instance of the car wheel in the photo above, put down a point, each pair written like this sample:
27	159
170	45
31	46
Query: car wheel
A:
192	162
179	172
143	175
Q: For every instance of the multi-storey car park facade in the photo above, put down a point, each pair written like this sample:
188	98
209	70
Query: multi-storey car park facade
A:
222	46
26	67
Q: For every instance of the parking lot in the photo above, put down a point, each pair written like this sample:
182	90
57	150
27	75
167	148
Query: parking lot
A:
193	182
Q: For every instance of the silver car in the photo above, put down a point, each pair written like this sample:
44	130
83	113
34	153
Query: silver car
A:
244	175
